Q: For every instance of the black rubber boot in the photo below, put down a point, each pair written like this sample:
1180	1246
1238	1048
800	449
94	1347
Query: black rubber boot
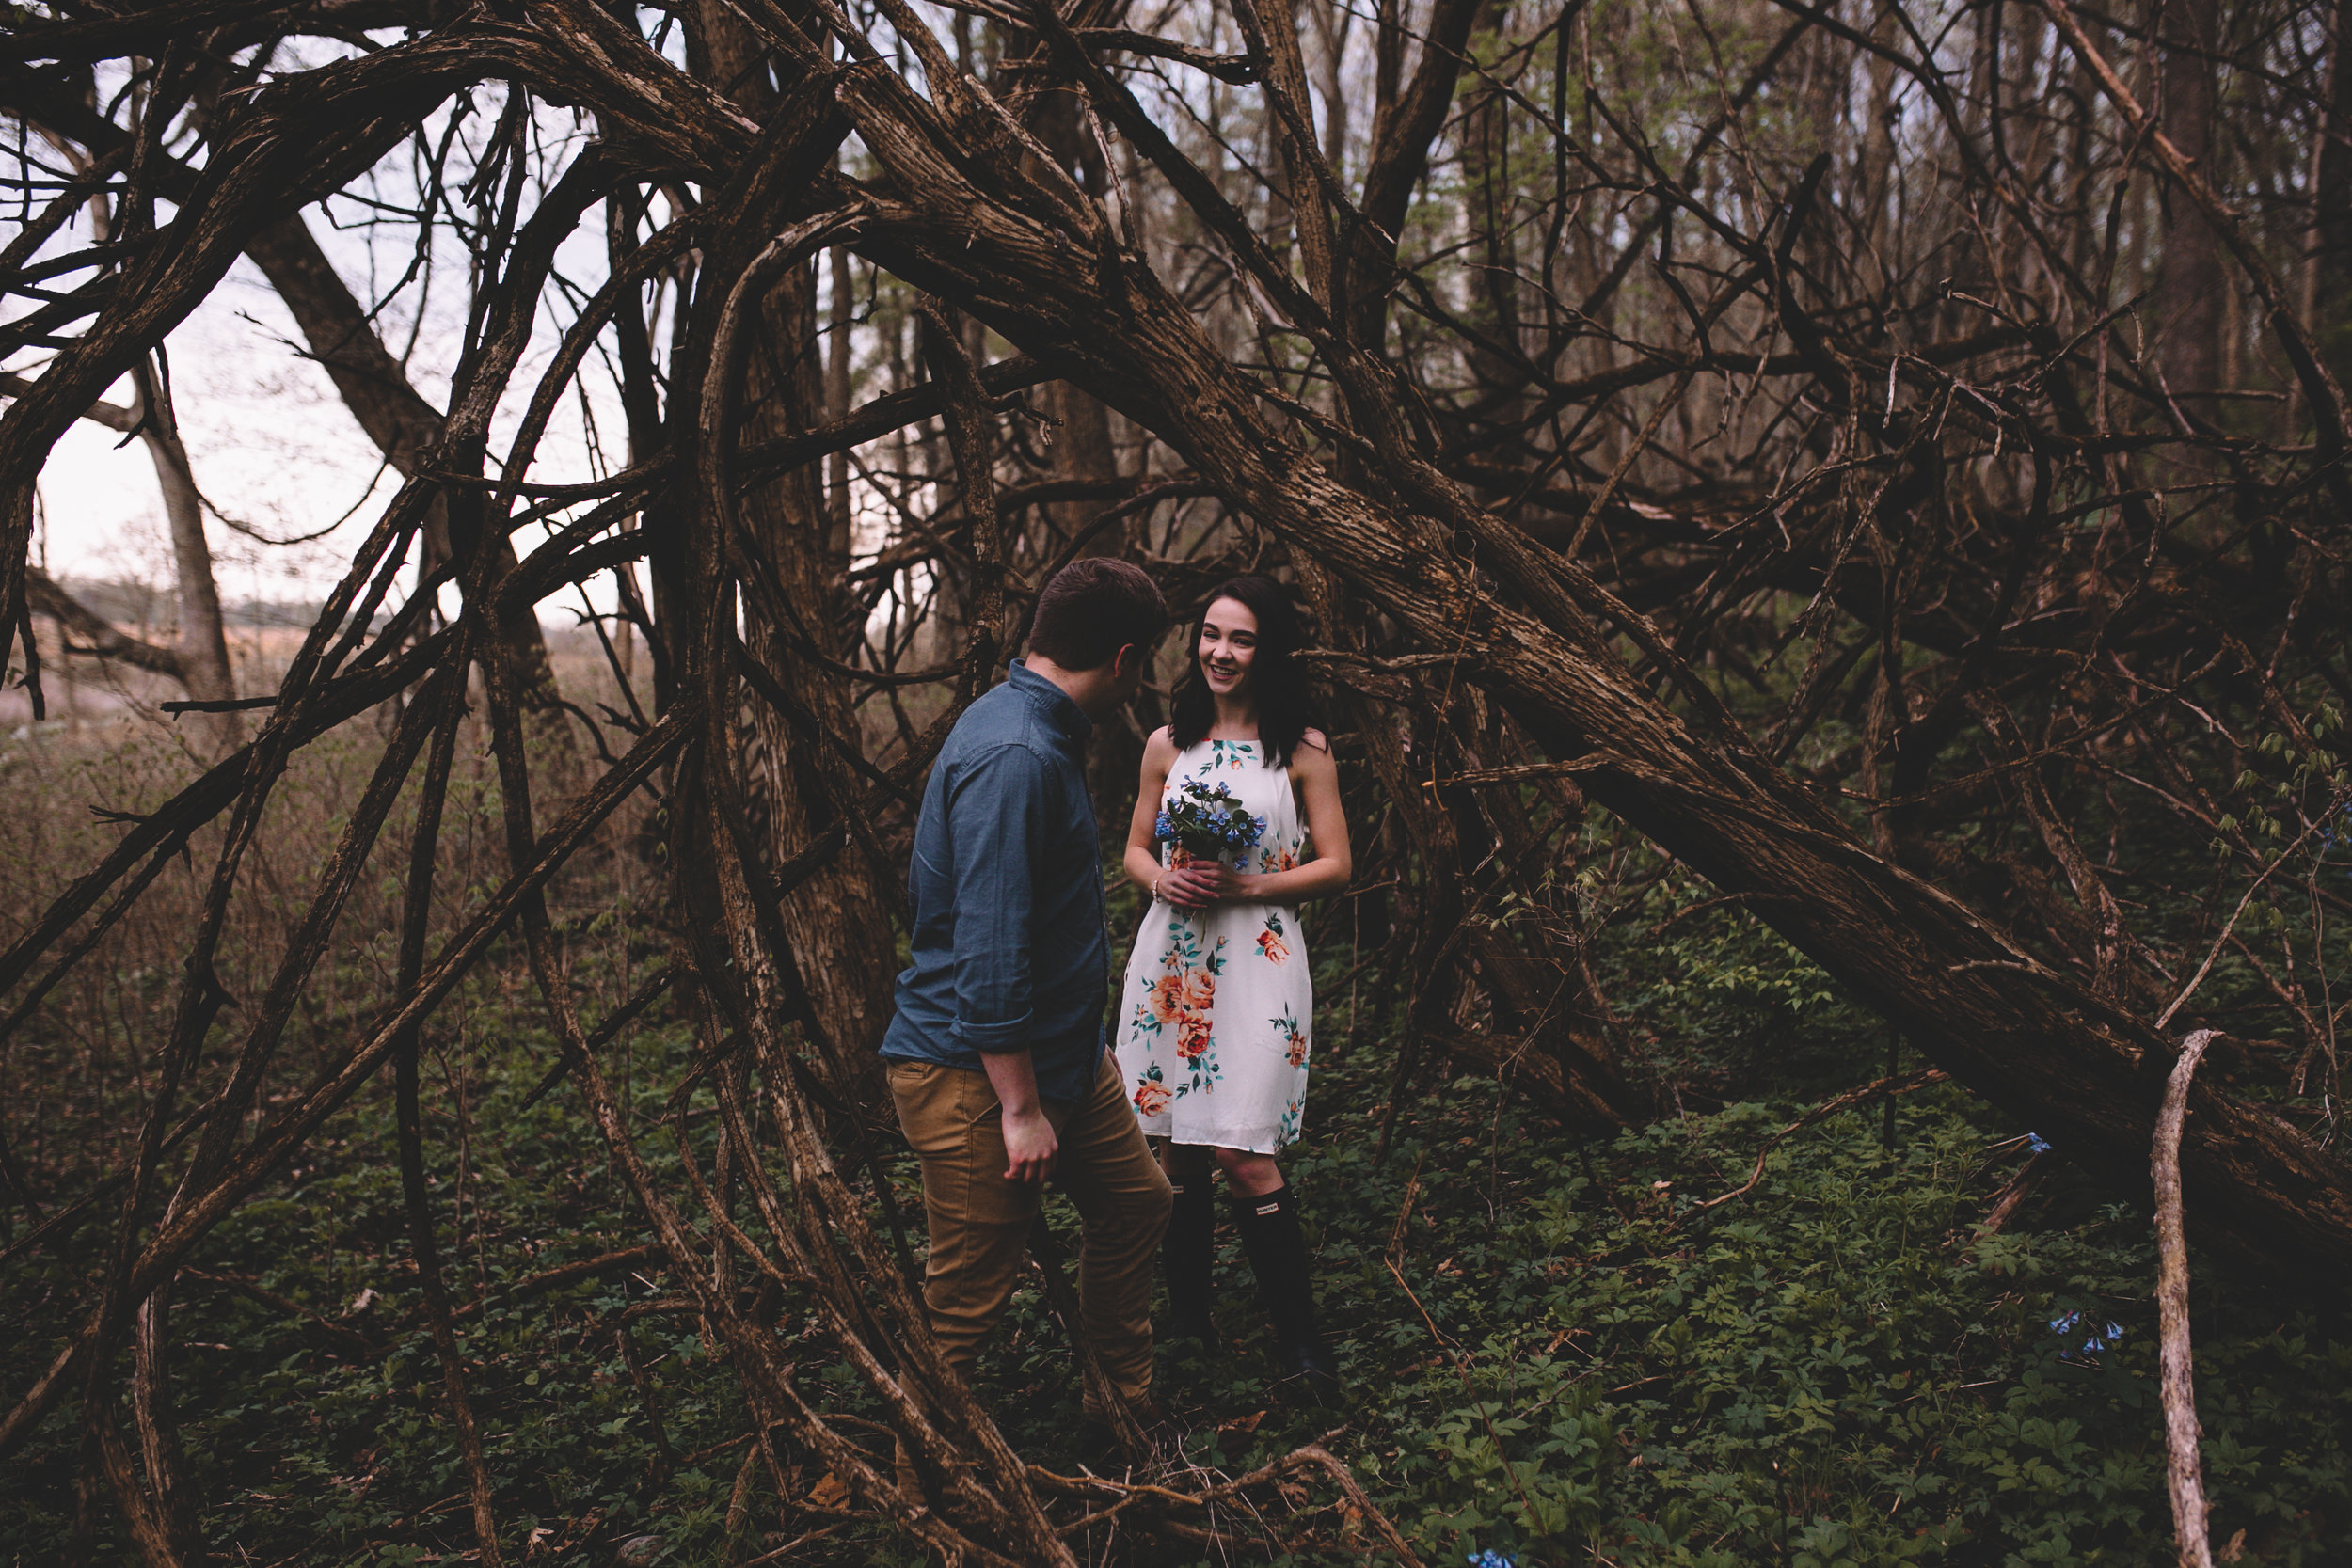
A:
1277	1256
1187	1252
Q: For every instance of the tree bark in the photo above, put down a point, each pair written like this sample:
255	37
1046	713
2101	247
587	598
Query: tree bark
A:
99	635
2191	277
838	920
204	636
2183	1469
2331	189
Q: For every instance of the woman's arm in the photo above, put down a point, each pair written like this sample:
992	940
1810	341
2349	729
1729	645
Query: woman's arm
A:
1143	860
1318	777
1189	889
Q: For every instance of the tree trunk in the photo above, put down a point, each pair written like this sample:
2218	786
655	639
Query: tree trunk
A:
2191	275
838	920
2332	187
1084	450
204	667
99	635
837	393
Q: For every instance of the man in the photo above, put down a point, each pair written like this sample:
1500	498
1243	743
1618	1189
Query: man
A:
996	1055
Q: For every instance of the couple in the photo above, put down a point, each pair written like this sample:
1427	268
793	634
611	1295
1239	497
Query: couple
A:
997	1056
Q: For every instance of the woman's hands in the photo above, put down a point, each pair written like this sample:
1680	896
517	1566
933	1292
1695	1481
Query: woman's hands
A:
1200	884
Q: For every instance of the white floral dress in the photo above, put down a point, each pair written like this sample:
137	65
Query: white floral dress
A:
1218	1008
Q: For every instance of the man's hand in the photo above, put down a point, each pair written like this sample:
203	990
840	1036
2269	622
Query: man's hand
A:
1030	1144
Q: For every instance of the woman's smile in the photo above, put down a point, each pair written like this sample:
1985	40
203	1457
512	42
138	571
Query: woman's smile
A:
1228	645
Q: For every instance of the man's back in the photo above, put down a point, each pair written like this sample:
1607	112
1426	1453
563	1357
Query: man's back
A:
1009	949
998	1074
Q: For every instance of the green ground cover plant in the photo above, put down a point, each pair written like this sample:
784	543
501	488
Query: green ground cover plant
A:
1553	1355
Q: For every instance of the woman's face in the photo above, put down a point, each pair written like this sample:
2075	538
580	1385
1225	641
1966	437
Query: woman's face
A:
1229	646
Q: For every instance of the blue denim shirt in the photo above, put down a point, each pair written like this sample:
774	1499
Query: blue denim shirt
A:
1011	950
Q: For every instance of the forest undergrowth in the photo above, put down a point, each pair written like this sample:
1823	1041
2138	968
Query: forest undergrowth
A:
1549	1356
1553	1352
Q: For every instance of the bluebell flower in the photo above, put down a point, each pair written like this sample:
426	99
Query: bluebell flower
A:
2095	1337
1490	1559
1208	820
2035	1142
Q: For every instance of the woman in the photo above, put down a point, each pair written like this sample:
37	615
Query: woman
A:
1218	1005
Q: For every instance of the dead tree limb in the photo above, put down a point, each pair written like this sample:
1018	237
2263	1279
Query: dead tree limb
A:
2183	1471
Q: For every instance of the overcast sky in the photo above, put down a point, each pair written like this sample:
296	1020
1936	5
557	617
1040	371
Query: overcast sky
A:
272	445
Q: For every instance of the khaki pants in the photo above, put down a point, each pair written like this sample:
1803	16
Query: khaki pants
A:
979	1221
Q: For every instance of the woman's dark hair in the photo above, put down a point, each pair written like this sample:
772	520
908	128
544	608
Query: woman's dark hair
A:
1285	709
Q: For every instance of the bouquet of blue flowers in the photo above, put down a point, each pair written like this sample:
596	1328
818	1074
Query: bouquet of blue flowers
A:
1204	822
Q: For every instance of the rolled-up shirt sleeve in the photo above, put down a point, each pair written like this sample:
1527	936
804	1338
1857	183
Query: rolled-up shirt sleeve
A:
998	810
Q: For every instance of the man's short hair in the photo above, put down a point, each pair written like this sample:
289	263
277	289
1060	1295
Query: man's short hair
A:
1094	607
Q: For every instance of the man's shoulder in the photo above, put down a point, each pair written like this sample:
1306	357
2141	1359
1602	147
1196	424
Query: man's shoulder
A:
999	720
1005	756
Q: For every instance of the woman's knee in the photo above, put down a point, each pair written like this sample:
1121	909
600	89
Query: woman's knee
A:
1248	1171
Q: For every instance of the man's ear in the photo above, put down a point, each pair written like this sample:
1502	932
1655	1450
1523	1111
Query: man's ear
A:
1127	660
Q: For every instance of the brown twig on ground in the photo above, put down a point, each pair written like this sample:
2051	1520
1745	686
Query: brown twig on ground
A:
1312	1456
348	1340
538	1284
1868	1094
2015	1190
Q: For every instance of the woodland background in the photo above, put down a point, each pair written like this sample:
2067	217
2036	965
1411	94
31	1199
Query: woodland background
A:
1824	526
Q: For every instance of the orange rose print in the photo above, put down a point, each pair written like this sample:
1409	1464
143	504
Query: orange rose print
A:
1166	998
1152	1099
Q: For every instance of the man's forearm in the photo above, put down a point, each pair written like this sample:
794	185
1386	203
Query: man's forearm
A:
1013	1075
1029	1141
